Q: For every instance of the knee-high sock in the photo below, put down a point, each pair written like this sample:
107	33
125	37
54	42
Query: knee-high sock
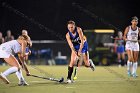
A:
19	75
70	71
134	69
10	71
129	65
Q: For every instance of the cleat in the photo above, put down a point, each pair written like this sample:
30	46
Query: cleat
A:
129	73
92	64
119	66
5	80
23	83
134	75
69	81
137	75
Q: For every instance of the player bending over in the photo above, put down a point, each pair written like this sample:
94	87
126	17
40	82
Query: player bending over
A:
79	47
25	59
6	52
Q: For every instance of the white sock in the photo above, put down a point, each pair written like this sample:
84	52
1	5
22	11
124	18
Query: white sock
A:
134	69
19	75
10	71
129	65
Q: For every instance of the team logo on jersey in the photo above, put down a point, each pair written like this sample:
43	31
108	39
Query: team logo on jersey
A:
135	34
76	40
3	48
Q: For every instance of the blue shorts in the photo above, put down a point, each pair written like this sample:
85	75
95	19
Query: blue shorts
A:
84	49
120	49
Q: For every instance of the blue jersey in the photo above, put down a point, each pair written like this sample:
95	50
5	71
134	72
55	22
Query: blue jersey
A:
120	42
120	46
76	41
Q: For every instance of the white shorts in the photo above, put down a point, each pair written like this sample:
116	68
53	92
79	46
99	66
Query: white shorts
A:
4	54
132	46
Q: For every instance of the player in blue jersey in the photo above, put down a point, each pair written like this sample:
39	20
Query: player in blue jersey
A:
28	51
79	47
120	49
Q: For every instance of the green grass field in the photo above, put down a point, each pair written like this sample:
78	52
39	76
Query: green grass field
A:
106	79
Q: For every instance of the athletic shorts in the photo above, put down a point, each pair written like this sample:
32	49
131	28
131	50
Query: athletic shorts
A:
120	49
3	53
84	49
132	46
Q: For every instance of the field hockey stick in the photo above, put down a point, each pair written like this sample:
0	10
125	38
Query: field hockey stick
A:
47	78
116	38
125	40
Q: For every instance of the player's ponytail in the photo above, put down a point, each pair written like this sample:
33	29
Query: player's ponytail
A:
26	38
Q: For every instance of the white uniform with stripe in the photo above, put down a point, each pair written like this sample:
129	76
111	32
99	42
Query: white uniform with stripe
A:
9	48
132	35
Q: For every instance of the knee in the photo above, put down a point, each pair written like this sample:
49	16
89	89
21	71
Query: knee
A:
71	63
131	59
135	60
18	67
87	64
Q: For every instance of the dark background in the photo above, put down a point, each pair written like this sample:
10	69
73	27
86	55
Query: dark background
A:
49	17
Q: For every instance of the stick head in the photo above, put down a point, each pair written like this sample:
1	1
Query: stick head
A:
61	80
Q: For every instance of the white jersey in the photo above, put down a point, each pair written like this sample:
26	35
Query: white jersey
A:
132	35
9	48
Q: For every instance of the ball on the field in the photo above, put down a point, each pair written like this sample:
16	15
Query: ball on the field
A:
75	78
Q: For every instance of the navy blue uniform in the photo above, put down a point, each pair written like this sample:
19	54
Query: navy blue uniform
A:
120	47
76	42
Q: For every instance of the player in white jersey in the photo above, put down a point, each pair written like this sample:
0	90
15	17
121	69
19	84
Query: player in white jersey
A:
27	52
6	52
132	46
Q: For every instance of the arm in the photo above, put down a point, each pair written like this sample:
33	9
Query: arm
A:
115	42
2	40
29	53
24	66
139	35
81	38
23	47
139	32
22	57
70	43
125	33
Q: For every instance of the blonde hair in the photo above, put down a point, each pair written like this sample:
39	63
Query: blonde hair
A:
26	38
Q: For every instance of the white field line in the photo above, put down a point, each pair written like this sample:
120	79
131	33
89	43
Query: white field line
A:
36	81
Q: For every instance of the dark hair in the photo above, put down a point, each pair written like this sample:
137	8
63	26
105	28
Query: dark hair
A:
135	18
71	22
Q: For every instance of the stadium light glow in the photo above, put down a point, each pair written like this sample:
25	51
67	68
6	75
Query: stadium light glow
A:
104	31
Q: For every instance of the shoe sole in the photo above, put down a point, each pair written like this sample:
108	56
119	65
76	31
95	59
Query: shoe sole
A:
23	84
93	67
4	80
